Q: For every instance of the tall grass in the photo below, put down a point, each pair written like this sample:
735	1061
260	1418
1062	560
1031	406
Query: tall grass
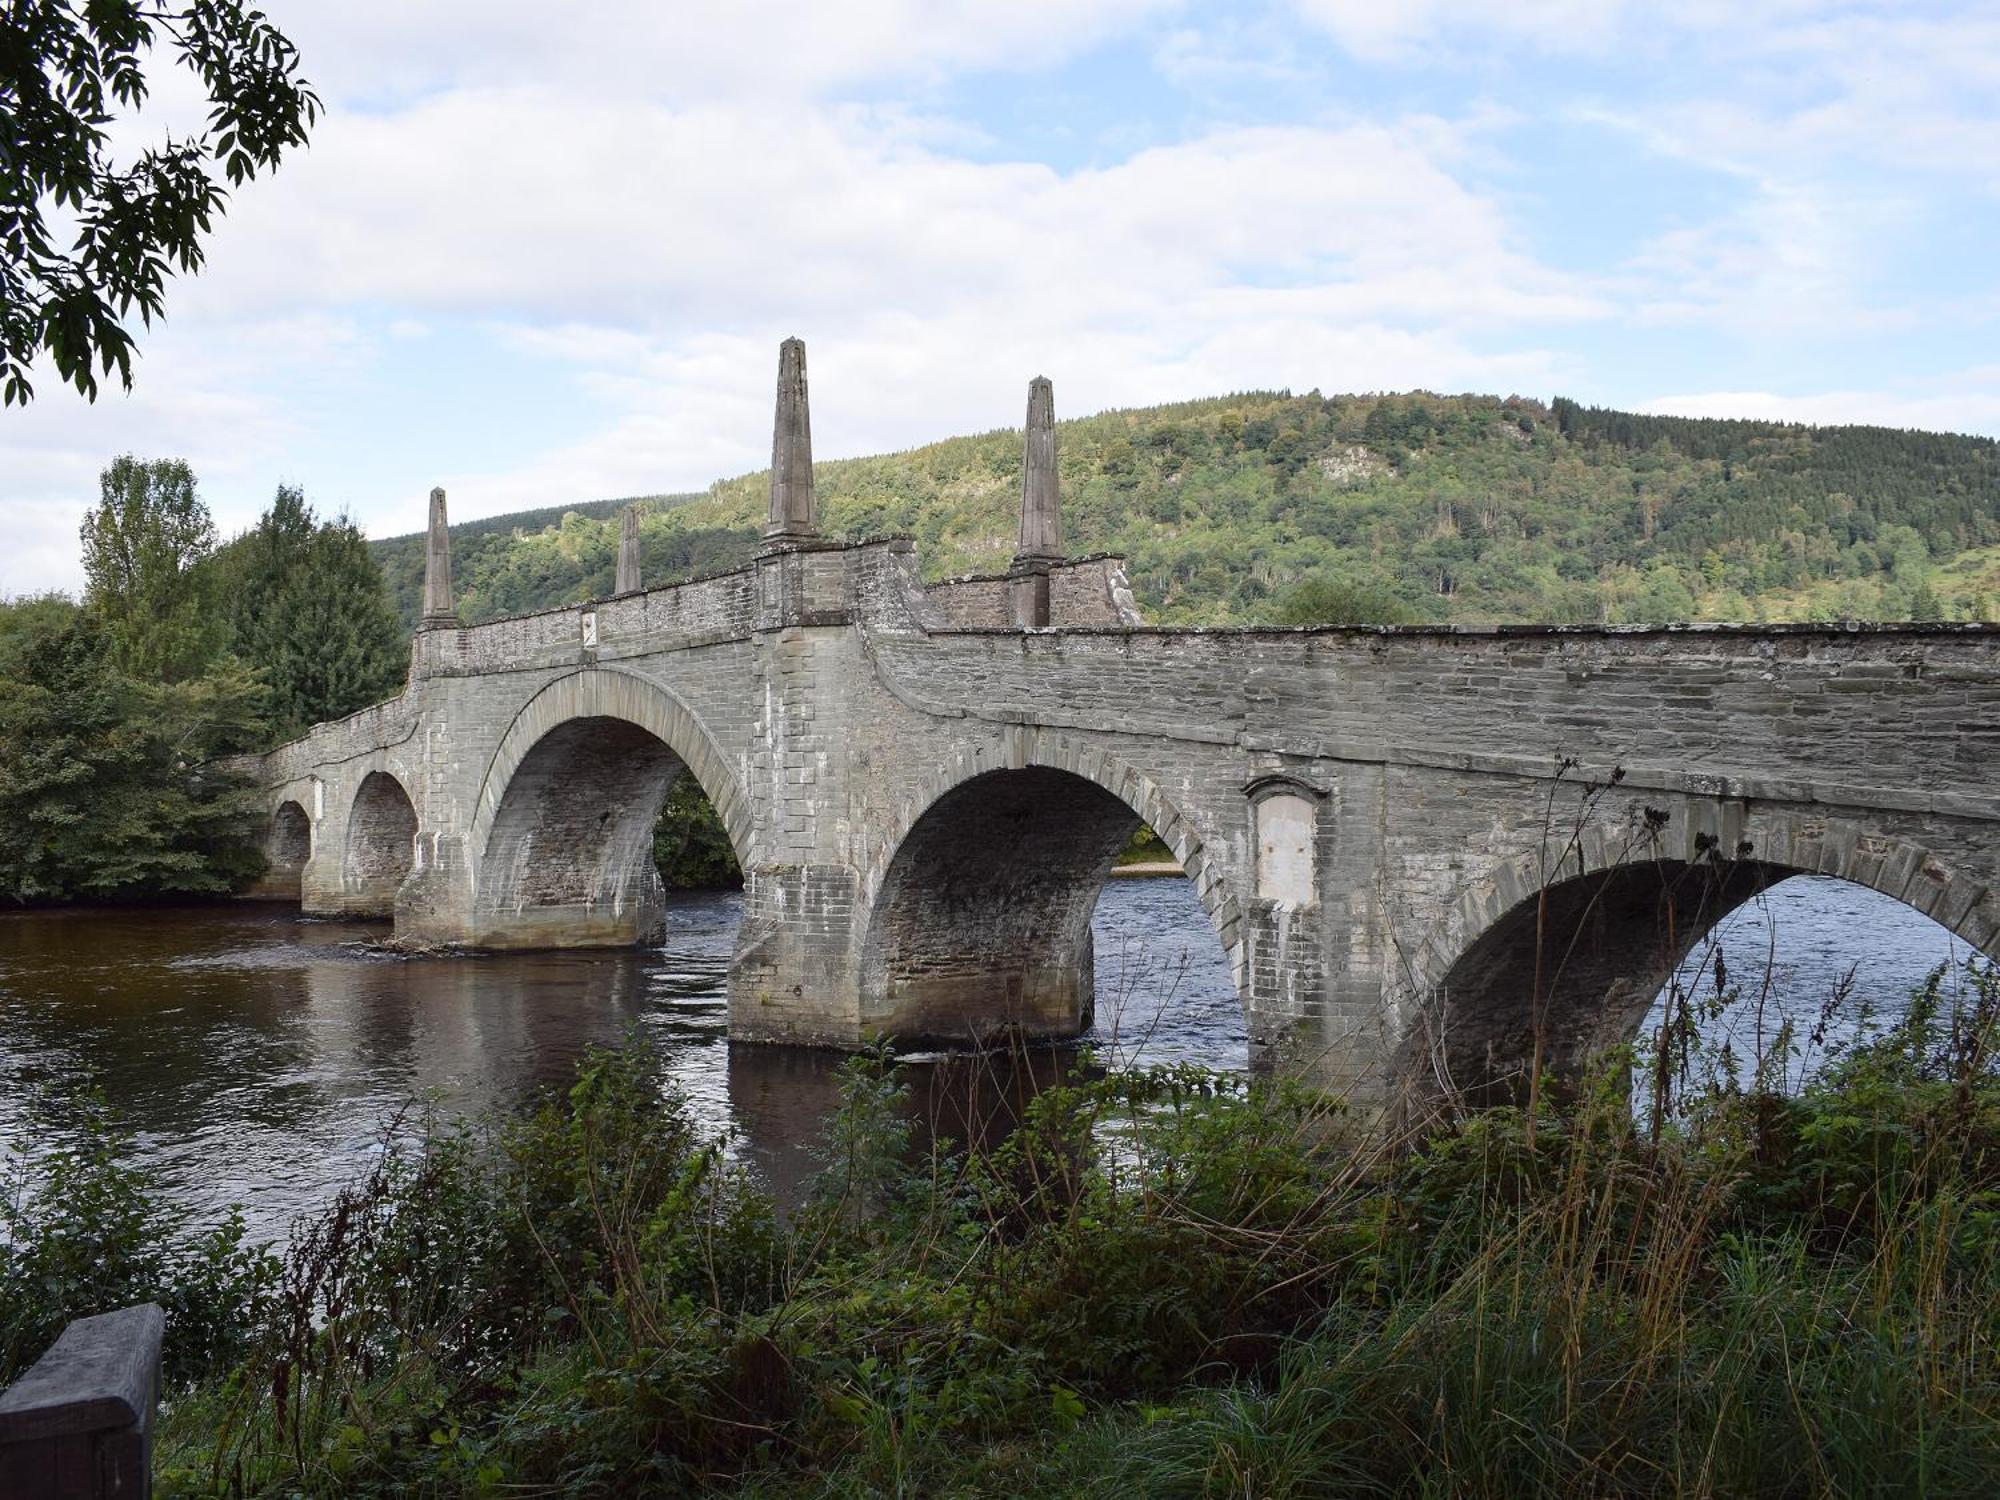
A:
1163	1283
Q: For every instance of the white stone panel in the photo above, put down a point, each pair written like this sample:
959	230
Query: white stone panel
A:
1285	850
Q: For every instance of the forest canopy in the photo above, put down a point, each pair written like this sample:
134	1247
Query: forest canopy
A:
1258	507
119	711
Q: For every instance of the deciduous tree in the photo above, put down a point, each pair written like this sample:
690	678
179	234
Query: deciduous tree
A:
108	785
85	239
143	546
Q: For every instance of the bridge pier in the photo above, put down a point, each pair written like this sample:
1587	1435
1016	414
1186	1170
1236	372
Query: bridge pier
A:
925	785
794	978
434	903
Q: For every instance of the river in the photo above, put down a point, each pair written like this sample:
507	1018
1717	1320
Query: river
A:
257	1054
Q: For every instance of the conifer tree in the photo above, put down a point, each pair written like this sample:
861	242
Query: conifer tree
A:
311	611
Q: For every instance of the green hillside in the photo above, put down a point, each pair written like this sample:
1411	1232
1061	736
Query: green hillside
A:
1464	508
530	559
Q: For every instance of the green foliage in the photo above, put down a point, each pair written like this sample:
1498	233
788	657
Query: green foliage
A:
116	716
144	546
108	785
308	609
691	848
1329	599
1163	1282
1421	507
1145	847
66	71
82	1232
515	564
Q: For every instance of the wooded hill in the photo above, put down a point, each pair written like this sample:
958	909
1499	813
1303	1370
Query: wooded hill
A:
1414	506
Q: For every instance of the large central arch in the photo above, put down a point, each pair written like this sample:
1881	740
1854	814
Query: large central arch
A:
564	822
979	906
1561	968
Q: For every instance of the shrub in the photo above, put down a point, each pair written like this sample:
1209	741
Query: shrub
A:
84	1231
1159	1282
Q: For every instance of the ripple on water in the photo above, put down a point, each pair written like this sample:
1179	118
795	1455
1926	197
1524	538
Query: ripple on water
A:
259	1055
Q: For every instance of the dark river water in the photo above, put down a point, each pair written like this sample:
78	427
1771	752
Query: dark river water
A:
257	1055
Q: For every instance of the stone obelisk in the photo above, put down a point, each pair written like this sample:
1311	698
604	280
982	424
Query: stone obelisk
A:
628	552
439	610
794	508
1041	492
1040	541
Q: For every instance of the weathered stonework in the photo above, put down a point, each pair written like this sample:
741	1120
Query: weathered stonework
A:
794	513
1078	591
439	610
925	794
925	810
627	578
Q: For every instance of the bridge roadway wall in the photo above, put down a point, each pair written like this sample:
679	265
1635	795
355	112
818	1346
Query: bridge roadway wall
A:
924	809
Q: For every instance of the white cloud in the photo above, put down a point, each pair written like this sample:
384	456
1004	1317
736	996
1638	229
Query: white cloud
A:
230	397
1796	90
1403	30
675	230
1790	259
646	198
653	256
774	50
1842	129
526	203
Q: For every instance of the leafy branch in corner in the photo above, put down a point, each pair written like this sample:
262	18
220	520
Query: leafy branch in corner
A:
66	73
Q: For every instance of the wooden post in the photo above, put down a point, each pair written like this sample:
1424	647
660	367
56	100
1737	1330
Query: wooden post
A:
79	1424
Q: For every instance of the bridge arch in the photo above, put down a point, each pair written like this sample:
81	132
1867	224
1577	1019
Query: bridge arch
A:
381	845
287	847
562	830
978	901
1586	940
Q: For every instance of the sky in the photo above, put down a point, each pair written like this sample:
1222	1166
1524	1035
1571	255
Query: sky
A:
545	254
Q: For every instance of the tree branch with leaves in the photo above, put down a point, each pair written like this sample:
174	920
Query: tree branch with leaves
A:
66	72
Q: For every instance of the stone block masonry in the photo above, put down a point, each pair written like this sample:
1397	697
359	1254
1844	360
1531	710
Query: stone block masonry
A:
924	812
925	796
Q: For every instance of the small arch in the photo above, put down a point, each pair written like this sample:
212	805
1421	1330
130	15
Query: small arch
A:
979	905
1030	748
287	847
381	845
565	821
1573	968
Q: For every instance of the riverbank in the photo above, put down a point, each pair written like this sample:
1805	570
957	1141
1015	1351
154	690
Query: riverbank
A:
1161	1282
1147	869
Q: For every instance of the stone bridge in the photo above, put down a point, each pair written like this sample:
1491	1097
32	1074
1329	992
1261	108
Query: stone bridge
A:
1417	846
